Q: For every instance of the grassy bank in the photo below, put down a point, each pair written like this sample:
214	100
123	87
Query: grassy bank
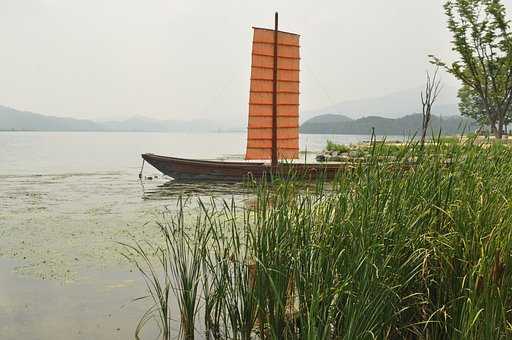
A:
384	148
382	252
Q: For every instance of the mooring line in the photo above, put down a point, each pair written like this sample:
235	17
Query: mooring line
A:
141	168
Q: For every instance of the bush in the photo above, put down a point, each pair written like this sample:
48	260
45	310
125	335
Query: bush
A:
340	148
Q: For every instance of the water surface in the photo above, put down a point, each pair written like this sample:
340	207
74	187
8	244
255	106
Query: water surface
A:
67	199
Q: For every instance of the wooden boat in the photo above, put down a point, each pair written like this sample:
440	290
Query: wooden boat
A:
273	127
192	169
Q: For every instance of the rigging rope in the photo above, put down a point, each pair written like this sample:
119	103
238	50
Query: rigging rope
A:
319	83
221	91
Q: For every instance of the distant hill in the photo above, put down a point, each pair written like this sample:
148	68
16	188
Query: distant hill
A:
11	119
15	120
319	123
408	125
393	105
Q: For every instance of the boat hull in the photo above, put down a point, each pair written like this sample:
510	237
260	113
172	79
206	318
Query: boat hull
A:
191	169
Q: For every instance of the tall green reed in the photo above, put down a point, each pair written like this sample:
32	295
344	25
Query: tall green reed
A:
414	246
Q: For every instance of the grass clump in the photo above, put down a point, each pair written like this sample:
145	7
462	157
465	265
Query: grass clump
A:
340	148
385	251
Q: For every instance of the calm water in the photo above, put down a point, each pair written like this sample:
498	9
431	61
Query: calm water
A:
66	199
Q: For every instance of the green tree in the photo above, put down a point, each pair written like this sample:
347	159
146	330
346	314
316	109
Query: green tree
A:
483	42
471	106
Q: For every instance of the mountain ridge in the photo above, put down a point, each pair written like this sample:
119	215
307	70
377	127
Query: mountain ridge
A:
393	105
407	125
16	120
12	119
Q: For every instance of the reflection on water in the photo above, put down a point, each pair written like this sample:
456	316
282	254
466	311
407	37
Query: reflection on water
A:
174	189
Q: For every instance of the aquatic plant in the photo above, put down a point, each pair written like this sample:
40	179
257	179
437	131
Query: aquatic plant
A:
340	148
388	250
171	267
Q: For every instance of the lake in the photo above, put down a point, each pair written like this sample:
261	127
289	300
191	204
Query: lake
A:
67	199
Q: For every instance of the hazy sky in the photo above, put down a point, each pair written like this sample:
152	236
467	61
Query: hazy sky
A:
185	59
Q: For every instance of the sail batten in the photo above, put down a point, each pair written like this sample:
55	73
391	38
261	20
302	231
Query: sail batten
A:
259	135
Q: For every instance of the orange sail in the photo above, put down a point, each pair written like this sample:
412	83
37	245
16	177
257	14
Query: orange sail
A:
259	134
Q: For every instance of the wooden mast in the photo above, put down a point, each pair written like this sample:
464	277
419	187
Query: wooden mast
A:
274	96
